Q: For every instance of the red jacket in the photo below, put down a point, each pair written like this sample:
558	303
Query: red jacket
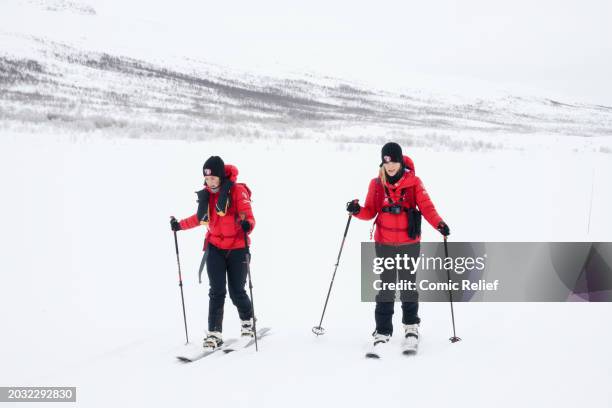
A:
393	228
225	231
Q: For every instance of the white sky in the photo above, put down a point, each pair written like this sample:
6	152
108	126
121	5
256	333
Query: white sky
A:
562	47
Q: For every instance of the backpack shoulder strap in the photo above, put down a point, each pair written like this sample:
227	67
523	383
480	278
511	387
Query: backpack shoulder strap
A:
384	188
408	195
248	190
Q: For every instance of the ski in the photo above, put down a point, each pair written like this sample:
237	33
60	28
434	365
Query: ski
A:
409	350
248	341
410	343
190	358
380	343
377	351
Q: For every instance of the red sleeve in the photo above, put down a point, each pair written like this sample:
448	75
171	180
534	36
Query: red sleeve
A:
242	198
190	222
369	208
426	206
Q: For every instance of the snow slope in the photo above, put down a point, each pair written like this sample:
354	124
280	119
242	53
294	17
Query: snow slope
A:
89	294
119	77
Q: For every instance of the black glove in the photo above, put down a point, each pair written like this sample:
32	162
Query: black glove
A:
443	228
353	207
174	224
245	225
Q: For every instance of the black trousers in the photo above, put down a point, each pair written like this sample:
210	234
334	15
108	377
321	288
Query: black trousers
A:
385	299
226	265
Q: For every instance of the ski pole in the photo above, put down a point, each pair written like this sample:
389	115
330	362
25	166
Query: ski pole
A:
247	260
319	330
453	339
591	202
178	262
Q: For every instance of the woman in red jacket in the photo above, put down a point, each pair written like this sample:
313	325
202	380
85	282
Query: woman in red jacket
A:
225	207
397	198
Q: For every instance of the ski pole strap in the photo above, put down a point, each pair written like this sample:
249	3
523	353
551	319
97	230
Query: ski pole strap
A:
202	264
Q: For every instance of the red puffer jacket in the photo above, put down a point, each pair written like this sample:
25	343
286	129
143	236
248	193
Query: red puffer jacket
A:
393	228
225	231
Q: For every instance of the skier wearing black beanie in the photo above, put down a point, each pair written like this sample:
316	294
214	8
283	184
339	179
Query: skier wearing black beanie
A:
397	199
214	166
224	206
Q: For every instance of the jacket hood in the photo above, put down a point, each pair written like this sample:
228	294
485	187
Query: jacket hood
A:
231	172
409	164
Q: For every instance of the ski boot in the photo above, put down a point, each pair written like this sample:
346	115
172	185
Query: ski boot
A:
410	343
246	328
213	340
378	345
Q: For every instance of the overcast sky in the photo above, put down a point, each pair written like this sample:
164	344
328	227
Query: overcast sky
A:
560	46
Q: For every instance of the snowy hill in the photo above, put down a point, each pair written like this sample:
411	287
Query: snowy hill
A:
75	80
65	88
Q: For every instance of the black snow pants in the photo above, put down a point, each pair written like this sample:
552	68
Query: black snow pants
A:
385	299
226	265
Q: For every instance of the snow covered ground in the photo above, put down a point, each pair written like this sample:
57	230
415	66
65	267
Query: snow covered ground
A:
90	297
127	78
102	138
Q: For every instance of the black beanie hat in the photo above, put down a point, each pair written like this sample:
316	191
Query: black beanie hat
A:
392	152
214	166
